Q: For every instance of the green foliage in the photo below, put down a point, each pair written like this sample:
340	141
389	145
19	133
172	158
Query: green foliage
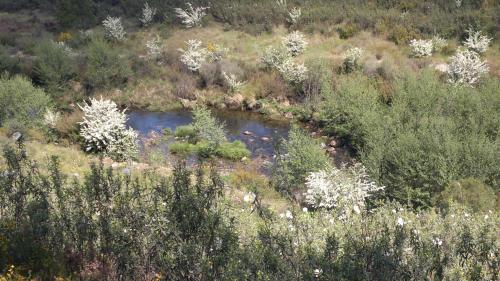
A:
106	65
234	151
347	31
22	102
186	131
54	66
76	13
428	135
7	63
207	127
295	159
470	193
182	148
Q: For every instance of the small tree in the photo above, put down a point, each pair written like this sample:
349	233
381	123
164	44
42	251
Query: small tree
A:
113	28
295	43
232	82
466	68
351	59
421	48
274	57
476	41
194	56
154	47
292	72
103	128
192	16
148	14
294	15
207	127
343	189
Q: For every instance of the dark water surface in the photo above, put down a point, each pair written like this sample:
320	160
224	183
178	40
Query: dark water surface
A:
236	123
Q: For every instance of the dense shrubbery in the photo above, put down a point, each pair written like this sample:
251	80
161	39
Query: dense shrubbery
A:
428	135
109	226
21	102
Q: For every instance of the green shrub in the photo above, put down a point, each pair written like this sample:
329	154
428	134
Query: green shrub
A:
7	63
428	135
53	67
207	127
468	192
182	148
347	31
185	131
234	151
20	101
106	65
295	159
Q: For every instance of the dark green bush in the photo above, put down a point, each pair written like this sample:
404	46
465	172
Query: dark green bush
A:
295	159
22	102
468	192
428	135
54	66
106	65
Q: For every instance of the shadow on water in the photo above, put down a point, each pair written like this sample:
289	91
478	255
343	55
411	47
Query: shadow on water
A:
256	132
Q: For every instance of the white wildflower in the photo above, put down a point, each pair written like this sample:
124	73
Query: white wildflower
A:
458	3
249	197
438	43
294	15
232	82
317	272
339	188
274	57
154	48
466	68
288	214
351	58
148	14
436	241
421	48
113	28
292	72
476	41
295	43
356	209
304	209
400	221
194	56
192	16
50	118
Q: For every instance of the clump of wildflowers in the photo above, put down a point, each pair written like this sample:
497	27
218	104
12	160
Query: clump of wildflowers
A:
194	56
192	16
113	28
466	68
295	43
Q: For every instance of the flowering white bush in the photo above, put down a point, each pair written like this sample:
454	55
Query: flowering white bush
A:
232	82
148	14
292	72
294	15
351	58
274	57
125	146
345	189
103	128
295	43
421	48
50	118
466	67
154	47
216	52
113	28
192	16
194	56
438	43
476	41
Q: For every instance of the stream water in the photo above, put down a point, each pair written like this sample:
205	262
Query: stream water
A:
255	131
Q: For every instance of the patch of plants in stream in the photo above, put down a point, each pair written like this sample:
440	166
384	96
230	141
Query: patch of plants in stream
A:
206	138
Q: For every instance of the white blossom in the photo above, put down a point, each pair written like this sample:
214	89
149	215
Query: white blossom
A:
304	209
274	57
154	47
421	48
466	68
103	128
288	214
113	28
295	43
292	72
294	15
339	188
192	16
438	43
436	241
125	147
194	56
476	41
215	52
148	13
317	272
458	3
351	58
232	82
249	197
400	221
50	118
